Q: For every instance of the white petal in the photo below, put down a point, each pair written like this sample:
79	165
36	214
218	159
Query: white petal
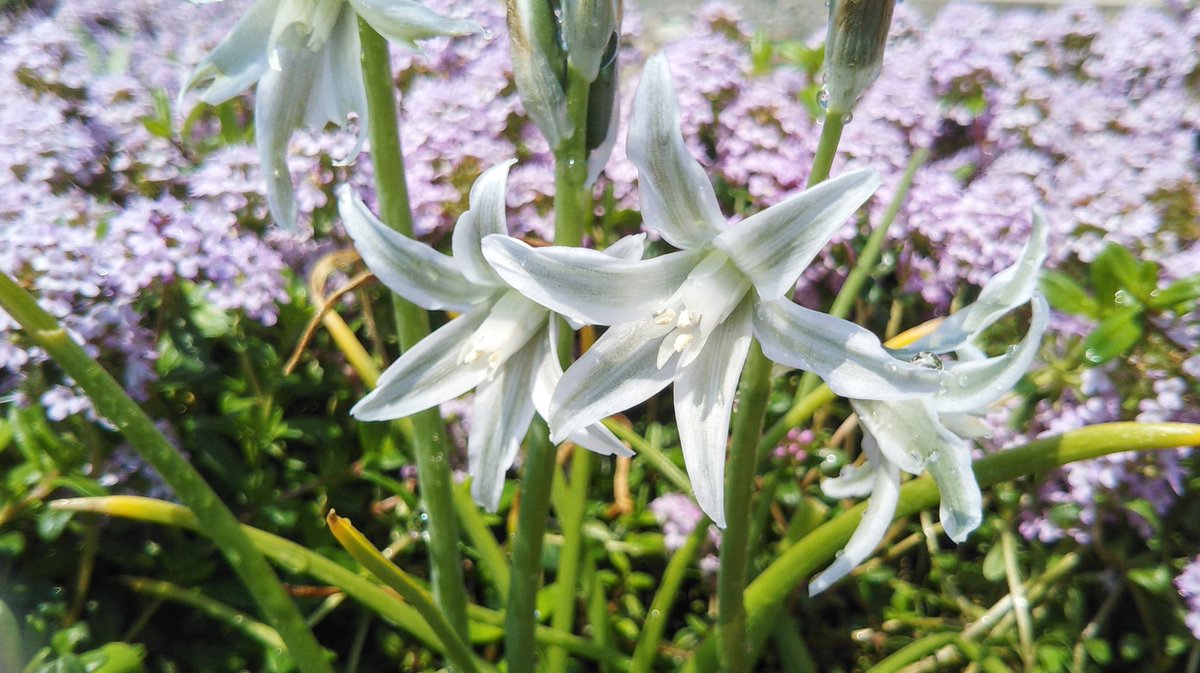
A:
628	248
676	196
427	374
908	431
279	108
1005	291
967	425
239	60
854	481
774	247
338	89
961	510
704	392
974	384
588	285
850	359
409	268
484	217
536	77
405	21
619	371
513	322
603	117
549	372
885	493
500	418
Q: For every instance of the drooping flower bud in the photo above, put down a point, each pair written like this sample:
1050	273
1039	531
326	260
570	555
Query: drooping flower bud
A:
588	27
539	66
604	110
854	46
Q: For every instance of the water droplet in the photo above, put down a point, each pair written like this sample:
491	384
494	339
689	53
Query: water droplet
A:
823	98
927	359
847	118
1092	356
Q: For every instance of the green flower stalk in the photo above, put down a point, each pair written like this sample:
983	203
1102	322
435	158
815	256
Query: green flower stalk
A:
854	46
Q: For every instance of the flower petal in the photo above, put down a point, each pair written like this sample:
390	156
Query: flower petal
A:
406	21
774	246
676	196
240	58
619	371
1005	291
409	268
588	25
961	510
974	384
484	217
279	108
588	285
704	392
500	418
549	372
338	89
628	248
532	40
848	357
885	493
854	481
907	431
427	374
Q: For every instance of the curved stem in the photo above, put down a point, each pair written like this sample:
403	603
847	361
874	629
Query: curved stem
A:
831	135
114	404
412	325
753	390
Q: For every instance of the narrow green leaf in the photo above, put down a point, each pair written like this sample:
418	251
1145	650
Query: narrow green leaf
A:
1114	335
1065	295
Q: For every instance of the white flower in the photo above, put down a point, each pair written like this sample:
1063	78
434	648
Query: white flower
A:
931	432
502	345
687	317
304	55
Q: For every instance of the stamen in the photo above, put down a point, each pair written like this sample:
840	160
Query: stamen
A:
664	317
682	341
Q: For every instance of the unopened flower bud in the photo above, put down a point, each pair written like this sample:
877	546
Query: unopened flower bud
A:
588	27
539	66
854	46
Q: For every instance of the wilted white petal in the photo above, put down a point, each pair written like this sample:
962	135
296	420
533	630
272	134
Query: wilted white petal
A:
704	392
588	25
961	510
628	248
500	418
619	371
774	246
586	284
409	268
1005	291
486	216
427	374
549	372
849	358
279	108
885	493
405	21
239	60
676	197
977	383
908	431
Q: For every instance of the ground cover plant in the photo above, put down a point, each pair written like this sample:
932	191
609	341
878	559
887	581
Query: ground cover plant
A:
452	335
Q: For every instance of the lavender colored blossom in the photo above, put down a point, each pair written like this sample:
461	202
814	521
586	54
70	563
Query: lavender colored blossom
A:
1188	584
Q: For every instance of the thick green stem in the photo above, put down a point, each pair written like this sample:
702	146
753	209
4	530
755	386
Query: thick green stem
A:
572	553
412	325
222	526
572	208
767	593
527	550
831	135
753	391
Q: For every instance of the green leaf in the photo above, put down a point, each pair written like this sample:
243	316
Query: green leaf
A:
114	658
1114	335
1099	650
1114	269
1156	579
993	564
1067	296
1178	292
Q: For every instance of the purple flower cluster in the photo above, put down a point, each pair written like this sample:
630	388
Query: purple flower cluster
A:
1188	584
679	515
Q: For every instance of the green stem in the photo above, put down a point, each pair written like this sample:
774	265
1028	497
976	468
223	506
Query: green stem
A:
572	552
767	592
753	390
114	404
869	256
572	207
831	135
237	620
652	453
660	606
527	550
412	325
